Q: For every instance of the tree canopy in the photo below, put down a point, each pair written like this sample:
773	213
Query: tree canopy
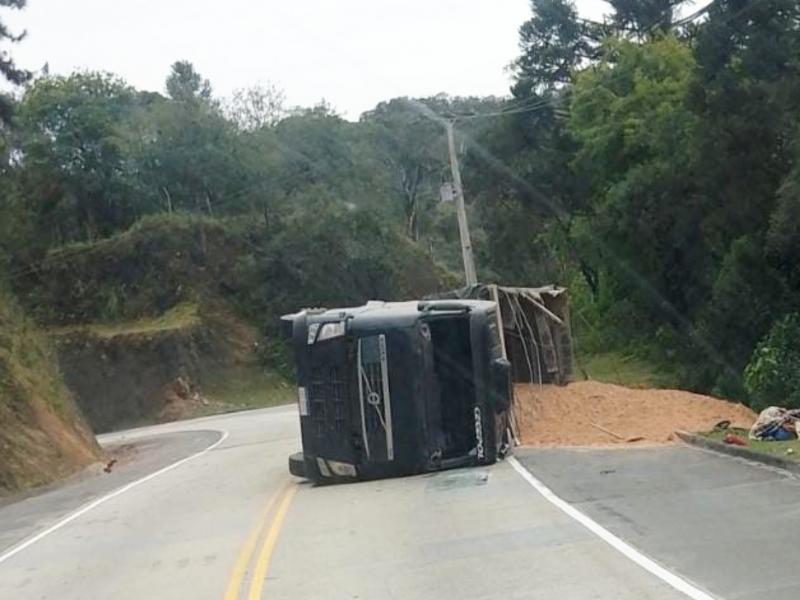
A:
650	162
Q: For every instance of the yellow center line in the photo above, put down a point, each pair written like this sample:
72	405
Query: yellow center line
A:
240	568
262	564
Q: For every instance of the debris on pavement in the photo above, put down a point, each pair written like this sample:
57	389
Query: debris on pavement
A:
636	438
734	440
591	413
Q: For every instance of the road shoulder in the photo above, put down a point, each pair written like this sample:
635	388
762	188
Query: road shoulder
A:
24	515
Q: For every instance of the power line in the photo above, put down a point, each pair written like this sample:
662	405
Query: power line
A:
514	111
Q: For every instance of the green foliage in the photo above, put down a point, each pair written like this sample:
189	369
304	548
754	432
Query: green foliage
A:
783	234
773	374
746	296
643	18
681	246
553	42
624	369
412	147
330	254
247	387
41	433
154	266
188	157
650	165
788	450
256	106
73	165
634	129
8	69
185	84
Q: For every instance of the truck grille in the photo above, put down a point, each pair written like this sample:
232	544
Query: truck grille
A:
373	385
327	400
374	397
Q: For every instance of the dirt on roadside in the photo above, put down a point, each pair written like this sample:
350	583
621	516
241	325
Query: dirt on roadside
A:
591	413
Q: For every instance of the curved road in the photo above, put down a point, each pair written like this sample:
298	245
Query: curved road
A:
206	509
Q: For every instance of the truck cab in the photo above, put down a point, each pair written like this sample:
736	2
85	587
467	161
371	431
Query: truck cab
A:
397	388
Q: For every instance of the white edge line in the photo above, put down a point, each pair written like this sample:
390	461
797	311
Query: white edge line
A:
103	499
612	540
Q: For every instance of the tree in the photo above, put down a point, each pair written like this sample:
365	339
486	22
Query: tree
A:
411	145
631	121
8	67
554	42
185	84
783	235
644	19
773	374
257	106
745	91
190	158
72	165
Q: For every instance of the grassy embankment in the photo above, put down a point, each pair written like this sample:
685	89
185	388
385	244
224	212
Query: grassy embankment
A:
789	450
42	434
623	369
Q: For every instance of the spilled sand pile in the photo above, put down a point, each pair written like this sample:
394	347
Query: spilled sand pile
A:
589	413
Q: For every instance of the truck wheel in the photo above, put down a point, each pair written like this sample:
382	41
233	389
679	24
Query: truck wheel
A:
297	465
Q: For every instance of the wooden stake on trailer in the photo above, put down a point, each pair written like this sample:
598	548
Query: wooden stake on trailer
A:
512	416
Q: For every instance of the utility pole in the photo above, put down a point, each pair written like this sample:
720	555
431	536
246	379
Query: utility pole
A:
463	226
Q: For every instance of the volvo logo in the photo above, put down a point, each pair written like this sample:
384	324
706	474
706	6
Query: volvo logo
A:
479	433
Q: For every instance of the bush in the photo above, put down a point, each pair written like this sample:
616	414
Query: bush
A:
773	374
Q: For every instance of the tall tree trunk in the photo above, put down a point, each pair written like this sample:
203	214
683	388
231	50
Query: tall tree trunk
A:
168	199
411	183
412	230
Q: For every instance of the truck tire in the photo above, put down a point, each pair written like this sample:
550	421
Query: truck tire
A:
297	465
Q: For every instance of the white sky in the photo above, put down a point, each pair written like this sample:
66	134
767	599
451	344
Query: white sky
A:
354	53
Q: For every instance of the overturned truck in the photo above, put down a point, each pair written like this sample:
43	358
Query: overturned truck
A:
397	388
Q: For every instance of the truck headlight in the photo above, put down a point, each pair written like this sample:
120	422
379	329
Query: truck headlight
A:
331	330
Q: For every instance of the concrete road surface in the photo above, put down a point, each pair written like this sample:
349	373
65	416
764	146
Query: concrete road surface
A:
207	509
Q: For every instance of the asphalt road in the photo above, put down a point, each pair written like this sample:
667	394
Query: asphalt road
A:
207	509
728	524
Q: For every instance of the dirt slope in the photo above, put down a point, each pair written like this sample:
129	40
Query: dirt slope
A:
573	415
42	434
126	374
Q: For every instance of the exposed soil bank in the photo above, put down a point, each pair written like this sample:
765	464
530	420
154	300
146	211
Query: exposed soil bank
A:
42	434
127	376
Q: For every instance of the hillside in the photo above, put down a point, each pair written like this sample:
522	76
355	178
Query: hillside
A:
43	436
312	257
178	316
187	362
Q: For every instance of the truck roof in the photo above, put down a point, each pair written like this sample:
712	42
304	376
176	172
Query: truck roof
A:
394	314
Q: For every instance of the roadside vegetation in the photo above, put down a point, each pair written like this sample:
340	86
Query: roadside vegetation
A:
242	388
789	449
42	433
629	370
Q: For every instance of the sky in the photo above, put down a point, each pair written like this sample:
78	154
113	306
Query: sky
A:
352	53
